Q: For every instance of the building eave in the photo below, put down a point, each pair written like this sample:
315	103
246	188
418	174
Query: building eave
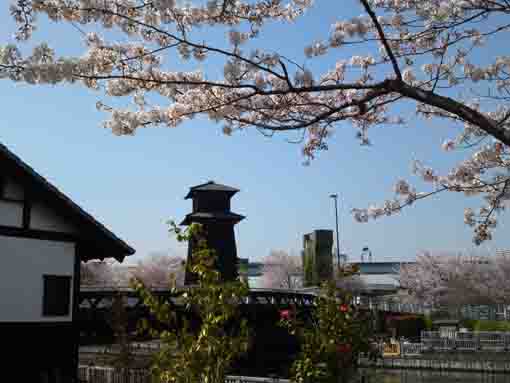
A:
66	204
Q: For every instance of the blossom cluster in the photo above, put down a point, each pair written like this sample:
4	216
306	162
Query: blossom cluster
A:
457	279
474	176
280	270
418	50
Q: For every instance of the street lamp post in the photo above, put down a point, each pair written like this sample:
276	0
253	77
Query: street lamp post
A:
335	198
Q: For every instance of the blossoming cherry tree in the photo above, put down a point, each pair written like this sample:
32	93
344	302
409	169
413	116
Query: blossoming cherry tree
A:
438	55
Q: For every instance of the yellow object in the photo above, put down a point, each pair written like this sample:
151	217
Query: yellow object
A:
391	349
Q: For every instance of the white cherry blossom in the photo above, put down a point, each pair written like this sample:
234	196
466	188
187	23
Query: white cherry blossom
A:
427	52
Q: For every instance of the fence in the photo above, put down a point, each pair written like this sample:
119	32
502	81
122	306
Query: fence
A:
393	306
253	379
456	341
95	374
485	312
304	297
466	341
410	349
134	347
498	312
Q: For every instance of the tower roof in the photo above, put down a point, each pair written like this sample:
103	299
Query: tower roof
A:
203	217
211	186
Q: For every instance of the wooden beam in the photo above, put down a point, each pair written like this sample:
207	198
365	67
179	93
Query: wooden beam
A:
9	231
27	211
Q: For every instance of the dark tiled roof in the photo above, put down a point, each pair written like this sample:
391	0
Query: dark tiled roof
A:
211	186
205	216
74	209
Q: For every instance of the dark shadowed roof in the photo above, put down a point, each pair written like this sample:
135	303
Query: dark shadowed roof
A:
208	216
211	186
64	204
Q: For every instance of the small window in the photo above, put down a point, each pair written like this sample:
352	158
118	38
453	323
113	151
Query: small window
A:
57	295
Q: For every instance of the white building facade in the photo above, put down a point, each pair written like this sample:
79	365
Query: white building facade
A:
44	236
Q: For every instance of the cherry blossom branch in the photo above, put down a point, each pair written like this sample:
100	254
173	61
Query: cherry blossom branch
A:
382	36
450	105
440	43
496	202
188	42
321	117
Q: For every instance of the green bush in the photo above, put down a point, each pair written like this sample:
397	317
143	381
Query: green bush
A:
486	325
470	324
334	337
428	323
205	350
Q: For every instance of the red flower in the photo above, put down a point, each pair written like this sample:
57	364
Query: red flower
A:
285	314
344	308
344	347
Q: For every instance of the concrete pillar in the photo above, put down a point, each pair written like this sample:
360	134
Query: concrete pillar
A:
317	257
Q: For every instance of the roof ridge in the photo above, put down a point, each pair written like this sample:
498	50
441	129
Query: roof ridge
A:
211	186
212	183
52	188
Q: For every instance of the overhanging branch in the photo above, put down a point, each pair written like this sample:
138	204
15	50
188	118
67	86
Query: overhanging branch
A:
449	105
382	36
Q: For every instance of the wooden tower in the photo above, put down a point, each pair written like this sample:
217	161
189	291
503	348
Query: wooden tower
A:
211	208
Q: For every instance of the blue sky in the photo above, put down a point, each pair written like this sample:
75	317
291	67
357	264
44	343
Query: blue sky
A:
134	184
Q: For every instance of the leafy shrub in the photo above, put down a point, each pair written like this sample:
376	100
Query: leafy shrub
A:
486	325
204	352
332	341
428	322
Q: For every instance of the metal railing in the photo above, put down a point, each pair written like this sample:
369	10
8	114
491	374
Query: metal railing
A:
476	312
305	296
135	348
391	306
410	349
253	379
489	341
97	374
434	341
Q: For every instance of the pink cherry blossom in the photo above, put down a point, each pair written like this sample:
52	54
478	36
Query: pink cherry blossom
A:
457	279
427	52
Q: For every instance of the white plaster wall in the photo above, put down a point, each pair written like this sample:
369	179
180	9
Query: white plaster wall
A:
43	217
24	262
13	190
11	213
